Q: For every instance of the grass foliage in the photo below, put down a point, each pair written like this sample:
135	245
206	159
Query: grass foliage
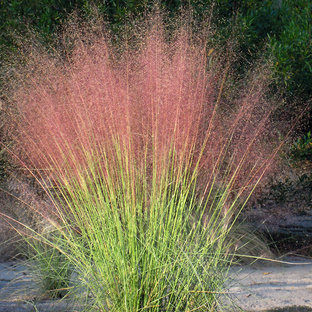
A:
145	170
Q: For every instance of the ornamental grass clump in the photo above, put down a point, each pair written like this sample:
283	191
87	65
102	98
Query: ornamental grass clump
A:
145	164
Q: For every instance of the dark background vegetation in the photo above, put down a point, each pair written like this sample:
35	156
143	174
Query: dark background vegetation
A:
277	30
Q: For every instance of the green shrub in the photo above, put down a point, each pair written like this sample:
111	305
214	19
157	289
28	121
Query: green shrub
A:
302	149
292	50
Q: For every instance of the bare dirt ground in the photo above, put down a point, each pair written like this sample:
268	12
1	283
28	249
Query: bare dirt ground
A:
279	287
273	285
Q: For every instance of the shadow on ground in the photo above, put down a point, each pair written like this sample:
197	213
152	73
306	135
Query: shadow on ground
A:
291	309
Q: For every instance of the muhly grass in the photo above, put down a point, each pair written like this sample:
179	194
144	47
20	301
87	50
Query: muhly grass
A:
145	170
139	246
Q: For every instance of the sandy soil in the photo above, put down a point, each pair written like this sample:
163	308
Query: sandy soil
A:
272	285
262	287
